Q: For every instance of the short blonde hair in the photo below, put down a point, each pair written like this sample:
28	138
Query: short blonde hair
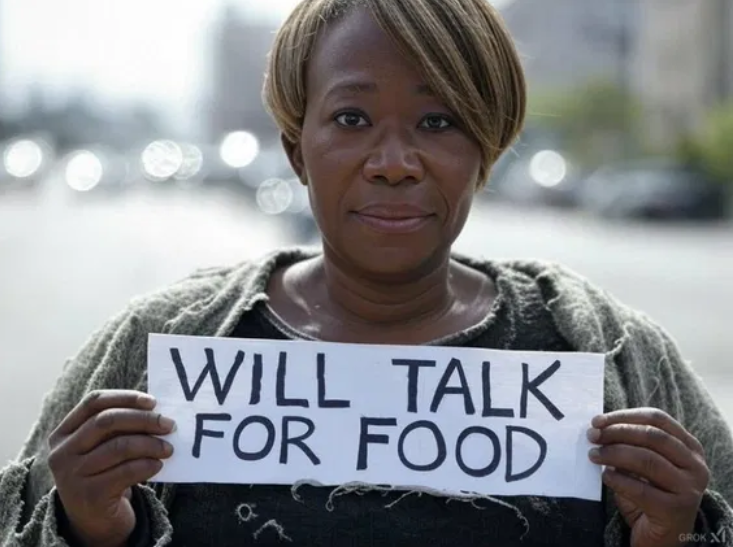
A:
462	47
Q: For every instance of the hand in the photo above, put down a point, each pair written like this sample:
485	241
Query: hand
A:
99	451
656	470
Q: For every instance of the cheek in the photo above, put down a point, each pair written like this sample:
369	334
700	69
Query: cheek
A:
331	166
460	208
458	176
326	157
327	177
463	209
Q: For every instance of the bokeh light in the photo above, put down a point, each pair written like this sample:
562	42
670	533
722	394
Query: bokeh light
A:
548	168
84	171
239	149
23	159
191	164
162	159
274	196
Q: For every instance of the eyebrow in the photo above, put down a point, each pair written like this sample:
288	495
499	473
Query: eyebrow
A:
369	88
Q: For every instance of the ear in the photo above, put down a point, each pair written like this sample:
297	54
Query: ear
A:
295	157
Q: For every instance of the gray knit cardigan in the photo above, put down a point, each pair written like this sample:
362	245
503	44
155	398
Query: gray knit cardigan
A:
643	368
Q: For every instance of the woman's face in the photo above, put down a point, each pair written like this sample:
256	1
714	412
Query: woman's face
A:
391	174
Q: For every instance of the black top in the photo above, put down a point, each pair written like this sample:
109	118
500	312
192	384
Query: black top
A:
237	515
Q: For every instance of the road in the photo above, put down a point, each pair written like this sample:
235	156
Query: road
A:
67	264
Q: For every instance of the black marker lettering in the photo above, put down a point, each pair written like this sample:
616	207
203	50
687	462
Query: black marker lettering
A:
365	437
439	441
489	469
209	370
200	432
442	390
254	456
298	441
533	386
322	401
490	412
412	377
280	395
541	442
254	398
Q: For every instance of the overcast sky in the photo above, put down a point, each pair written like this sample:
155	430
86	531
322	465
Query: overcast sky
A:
116	49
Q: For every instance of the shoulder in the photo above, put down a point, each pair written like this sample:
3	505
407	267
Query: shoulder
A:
210	295
153	310
557	282
201	303
124	334
552	273
588	315
640	353
568	291
197	287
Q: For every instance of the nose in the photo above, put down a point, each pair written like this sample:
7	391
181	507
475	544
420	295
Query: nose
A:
393	160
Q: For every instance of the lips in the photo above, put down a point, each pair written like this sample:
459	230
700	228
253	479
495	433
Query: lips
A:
394	217
395	211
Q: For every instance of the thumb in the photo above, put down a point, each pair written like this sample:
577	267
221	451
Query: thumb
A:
628	509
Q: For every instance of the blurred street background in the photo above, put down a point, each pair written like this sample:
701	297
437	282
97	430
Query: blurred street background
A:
134	148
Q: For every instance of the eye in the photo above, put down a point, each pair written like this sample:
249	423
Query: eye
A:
352	119
436	122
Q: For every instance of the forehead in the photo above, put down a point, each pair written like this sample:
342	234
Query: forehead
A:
356	50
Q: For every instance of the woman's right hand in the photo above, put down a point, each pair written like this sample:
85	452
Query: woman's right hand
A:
104	447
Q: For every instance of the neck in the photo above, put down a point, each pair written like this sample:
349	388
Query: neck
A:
384	300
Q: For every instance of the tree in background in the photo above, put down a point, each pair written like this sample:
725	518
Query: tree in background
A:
597	123
712	146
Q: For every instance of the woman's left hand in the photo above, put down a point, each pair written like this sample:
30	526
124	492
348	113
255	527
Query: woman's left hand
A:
656	470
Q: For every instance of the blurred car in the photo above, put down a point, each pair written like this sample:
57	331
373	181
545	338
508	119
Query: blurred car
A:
534	176
656	189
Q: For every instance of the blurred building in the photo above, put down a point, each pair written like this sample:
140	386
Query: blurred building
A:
565	43
240	50
684	63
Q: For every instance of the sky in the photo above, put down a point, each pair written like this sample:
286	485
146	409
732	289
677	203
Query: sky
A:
154	50
118	50
122	47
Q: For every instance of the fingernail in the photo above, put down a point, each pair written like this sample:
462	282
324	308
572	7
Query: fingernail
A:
593	434
167	449
594	453
167	424
147	401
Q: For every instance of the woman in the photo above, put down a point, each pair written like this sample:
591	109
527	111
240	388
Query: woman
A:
392	113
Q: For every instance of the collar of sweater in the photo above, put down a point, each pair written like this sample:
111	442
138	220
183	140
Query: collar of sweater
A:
210	302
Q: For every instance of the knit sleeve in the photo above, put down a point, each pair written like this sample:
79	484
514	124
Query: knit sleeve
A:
113	358
671	384
644	368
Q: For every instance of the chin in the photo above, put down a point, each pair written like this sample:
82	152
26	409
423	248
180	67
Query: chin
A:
395	262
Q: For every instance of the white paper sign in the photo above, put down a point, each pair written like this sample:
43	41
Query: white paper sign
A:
456	420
